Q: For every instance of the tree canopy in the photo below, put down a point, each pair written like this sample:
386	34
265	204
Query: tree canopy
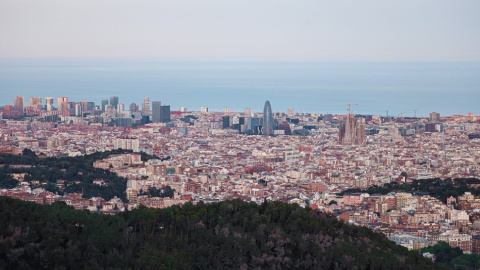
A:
225	235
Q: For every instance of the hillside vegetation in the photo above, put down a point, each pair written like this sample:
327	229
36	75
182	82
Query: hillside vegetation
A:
439	188
77	172
225	235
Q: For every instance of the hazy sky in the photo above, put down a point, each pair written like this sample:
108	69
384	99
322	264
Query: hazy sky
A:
243	29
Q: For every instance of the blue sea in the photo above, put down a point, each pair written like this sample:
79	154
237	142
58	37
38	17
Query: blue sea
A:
401	88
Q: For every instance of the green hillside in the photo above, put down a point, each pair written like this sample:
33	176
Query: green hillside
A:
224	235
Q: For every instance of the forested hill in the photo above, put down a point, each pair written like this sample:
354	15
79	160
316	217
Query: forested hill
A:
224	235
77	172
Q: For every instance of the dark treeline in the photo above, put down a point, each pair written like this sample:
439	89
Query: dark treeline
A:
78	172
224	235
452	257
438	188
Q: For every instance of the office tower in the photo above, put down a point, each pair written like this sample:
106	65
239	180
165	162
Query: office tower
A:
120	108
183	109
114	101
165	113
434	117
90	106
62	104
110	111
84	105
71	105
248	112
225	121
132	107
156	111
146	105
104	103
290	112
18	103
123	122
49	103
36	103
204	109
78	109
253	122
267	119
352	130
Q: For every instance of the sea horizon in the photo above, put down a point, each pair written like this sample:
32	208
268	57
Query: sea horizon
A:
405	88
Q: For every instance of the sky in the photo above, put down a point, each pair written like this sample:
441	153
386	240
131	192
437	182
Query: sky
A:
325	30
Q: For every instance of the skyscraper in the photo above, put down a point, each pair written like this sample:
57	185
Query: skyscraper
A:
267	119
78	109
133	107
165	113
62	104
36	103
156	111
120	107
91	106
114	101
19	103
104	103
49	103
146	106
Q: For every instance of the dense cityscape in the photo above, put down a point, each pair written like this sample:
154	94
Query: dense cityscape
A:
313	160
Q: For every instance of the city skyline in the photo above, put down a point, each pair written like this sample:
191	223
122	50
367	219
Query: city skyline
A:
63	102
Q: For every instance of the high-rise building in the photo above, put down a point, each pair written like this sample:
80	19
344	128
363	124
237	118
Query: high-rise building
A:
248	112
114	101
156	111
253	122
62	105
352	130
84	105
104	103
227	110
78	109
183	109
133	107
90	106
19	103
146	106
225	121
165	113
267	119
204	109
120	107
434	117
36	103
49	103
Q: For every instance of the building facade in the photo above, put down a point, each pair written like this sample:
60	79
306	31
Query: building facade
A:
267	119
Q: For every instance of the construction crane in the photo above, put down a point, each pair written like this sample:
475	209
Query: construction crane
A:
415	113
349	106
